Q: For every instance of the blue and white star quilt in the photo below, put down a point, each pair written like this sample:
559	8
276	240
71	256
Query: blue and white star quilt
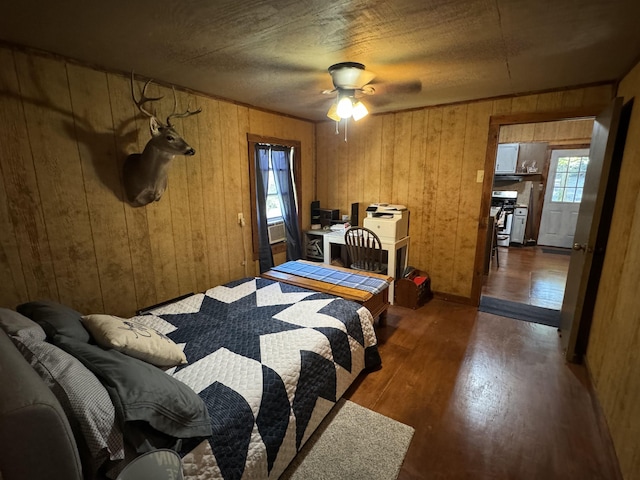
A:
269	360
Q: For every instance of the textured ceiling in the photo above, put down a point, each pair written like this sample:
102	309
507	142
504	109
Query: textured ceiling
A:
275	54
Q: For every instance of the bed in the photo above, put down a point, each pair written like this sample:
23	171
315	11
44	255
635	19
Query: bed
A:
266	360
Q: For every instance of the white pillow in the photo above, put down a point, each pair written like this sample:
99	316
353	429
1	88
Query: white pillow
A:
134	339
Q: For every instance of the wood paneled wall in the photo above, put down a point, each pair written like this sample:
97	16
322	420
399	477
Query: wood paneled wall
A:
66	234
613	354
429	160
563	132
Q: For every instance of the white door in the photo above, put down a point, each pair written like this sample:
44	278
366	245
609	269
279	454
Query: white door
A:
567	171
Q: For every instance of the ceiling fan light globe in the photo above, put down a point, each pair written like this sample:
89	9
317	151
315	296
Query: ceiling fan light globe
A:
345	107
359	111
333	113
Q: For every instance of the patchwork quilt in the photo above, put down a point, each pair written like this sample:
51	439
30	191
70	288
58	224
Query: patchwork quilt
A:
269	360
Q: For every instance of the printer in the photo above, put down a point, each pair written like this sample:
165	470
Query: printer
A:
390	222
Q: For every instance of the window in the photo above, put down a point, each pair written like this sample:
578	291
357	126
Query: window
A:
569	179
274	208
274	212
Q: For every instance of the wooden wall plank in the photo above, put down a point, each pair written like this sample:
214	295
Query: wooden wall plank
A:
503	106
25	219
560	132
309	171
373	161
524	104
386	160
433	134
572	98
49	119
357	166
159	218
231	157
14	288
401	158
415	182
198	234
93	125
213	165
130	135
598	95
243	233
549	101
475	147
181	202
341	170
448	197
323	134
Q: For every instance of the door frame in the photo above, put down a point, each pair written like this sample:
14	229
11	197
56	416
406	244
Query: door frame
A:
495	122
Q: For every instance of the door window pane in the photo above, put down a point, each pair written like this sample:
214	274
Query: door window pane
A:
581	179
560	180
569	179
569	195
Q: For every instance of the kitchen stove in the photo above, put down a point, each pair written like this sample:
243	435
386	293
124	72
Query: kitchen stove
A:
503	203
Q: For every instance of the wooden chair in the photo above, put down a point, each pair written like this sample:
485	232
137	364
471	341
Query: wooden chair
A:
365	250
494	246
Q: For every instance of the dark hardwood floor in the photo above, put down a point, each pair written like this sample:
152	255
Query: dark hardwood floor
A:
528	275
489	398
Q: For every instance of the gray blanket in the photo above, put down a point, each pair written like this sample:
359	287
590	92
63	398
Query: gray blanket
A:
142	392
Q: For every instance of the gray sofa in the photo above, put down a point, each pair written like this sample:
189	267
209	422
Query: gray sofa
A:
36	441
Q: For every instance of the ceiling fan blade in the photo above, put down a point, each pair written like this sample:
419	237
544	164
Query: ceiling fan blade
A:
403	87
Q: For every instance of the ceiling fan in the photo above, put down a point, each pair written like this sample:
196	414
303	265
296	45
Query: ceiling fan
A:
349	79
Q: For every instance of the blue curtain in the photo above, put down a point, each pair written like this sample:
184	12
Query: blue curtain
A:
262	182
283	175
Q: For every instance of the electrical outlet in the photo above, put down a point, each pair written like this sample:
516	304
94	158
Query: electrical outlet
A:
479	176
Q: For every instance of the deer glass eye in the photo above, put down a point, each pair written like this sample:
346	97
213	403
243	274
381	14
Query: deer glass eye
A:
170	138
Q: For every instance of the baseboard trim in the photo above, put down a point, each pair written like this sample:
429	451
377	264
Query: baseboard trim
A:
447	297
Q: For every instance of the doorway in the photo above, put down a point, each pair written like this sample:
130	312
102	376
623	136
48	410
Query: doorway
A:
532	274
587	253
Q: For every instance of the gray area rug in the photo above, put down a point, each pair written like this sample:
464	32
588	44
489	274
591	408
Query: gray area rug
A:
352	443
520	311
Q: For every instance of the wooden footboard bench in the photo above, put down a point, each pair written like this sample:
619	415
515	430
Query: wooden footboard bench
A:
376	303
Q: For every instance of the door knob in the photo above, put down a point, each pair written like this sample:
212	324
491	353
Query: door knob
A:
582	246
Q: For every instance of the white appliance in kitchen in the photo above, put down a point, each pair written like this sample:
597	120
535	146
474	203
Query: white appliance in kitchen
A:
519	224
503	203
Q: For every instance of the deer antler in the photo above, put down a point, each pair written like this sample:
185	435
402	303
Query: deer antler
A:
179	115
143	99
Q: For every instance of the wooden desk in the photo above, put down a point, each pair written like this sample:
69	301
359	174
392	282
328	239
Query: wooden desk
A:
392	250
376	303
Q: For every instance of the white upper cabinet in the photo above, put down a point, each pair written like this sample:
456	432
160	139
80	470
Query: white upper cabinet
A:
507	158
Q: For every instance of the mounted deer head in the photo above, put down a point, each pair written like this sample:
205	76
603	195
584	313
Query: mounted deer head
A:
145	174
